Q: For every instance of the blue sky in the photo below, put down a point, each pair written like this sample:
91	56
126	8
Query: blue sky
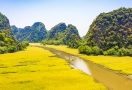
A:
80	13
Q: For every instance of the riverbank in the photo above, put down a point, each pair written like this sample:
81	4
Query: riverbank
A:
38	69
109	78
121	65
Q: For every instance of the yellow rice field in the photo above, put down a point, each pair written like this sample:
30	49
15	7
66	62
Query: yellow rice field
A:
120	64
38	69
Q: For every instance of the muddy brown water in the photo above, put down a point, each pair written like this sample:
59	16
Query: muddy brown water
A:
110	79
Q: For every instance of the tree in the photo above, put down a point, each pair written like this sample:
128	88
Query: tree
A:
96	50
111	51
2	36
73	41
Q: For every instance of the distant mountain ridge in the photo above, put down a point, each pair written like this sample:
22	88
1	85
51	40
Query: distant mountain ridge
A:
61	31
54	32
35	33
59	34
62	34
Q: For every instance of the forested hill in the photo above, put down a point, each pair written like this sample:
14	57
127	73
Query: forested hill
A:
62	34
111	29
57	32
35	33
7	40
72	37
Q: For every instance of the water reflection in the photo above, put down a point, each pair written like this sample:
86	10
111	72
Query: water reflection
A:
79	63
109	78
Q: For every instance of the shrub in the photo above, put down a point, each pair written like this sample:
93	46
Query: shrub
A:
85	50
3	50
129	47
130	52
56	42
24	44
88	50
111	51
2	43
12	49
105	53
96	50
123	52
116	47
81	49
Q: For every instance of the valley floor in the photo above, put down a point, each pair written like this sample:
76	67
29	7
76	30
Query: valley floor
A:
38	69
122	65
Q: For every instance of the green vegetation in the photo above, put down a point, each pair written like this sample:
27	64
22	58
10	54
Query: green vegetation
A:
72	38
109	34
59	34
73	42
112	32
38	69
4	22
62	34
122	65
34	33
89	50
55	35
7	40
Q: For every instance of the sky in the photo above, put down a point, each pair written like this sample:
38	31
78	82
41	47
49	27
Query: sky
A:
79	13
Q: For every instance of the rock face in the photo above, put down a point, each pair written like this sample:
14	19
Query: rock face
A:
61	31
5	29
4	22
71	30
5	26
111	29
35	33
57	32
14	29
7	41
63	34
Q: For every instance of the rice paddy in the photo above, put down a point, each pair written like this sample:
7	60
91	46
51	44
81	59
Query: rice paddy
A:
122	65
39	69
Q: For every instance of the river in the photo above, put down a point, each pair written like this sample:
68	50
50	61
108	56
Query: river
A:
109	78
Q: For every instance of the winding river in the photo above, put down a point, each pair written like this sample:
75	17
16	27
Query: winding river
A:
108	78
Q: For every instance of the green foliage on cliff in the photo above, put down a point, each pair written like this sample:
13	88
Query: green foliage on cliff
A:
111	29
57	32
4	22
62	34
7	40
72	38
35	33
